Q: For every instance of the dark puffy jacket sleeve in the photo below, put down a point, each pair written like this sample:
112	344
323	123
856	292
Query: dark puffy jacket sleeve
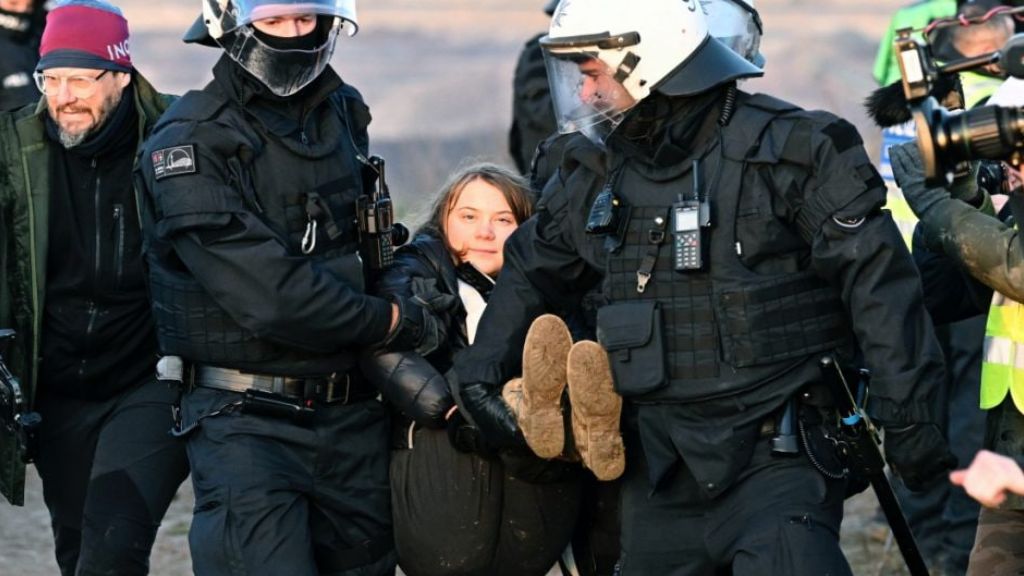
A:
411	383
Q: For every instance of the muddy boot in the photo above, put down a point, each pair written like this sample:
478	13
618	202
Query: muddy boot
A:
595	411
540	411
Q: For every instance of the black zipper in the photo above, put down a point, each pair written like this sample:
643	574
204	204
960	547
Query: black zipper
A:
93	312
99	228
119	248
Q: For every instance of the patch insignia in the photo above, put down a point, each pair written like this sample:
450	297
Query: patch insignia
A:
174	161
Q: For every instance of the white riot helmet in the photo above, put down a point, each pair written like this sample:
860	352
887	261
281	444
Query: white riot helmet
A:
283	71
605	56
738	25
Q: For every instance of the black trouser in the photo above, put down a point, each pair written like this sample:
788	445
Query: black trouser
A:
274	497
109	469
780	518
462	515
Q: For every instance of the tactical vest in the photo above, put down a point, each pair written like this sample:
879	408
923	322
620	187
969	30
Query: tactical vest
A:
306	194
725	328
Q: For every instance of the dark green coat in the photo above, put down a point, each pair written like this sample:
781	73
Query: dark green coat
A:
985	247
24	219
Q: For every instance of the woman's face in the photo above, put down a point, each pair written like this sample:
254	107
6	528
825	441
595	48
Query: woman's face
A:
478	224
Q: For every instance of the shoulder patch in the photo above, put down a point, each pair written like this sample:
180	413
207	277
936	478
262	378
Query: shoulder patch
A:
843	135
174	161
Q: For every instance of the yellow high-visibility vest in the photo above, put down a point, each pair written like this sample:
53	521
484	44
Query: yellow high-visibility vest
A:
1002	368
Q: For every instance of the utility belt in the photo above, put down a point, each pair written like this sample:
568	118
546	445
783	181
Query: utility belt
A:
782	424
284	397
343	389
809	423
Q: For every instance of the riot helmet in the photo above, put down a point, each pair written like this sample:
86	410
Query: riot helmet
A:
605	56
738	25
284	68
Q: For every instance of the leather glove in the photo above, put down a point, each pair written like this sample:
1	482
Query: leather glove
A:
918	453
488	411
418	329
425	291
908	169
465	437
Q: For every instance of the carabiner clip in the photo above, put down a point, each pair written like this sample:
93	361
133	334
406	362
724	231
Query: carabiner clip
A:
309	238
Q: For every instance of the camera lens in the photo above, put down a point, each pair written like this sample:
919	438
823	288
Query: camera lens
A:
989	132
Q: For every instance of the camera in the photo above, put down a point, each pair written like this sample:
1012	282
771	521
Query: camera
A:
946	138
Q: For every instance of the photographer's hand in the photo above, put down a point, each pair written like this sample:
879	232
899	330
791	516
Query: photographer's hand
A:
908	169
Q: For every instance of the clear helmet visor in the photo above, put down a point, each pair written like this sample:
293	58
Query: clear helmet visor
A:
246	12
586	96
736	26
283	72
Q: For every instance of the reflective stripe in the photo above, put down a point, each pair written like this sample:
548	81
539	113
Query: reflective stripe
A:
998	350
1002	369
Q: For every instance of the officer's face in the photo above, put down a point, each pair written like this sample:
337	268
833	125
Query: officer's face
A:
478	223
80	107
600	90
290	26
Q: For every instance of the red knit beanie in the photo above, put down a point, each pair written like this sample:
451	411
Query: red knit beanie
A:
85	34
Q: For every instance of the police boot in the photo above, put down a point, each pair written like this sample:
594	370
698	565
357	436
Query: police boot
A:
595	411
539	410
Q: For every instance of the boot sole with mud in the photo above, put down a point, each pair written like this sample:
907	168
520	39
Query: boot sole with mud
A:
544	359
596	411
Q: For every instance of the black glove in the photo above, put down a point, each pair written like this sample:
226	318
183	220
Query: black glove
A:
918	453
425	292
488	411
423	319
418	329
465	437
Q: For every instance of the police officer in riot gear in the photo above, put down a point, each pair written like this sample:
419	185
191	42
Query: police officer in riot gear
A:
737	239
250	188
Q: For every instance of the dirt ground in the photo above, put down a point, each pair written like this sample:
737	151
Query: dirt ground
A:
437	76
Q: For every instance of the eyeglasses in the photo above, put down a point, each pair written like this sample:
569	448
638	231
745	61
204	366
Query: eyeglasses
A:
78	86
